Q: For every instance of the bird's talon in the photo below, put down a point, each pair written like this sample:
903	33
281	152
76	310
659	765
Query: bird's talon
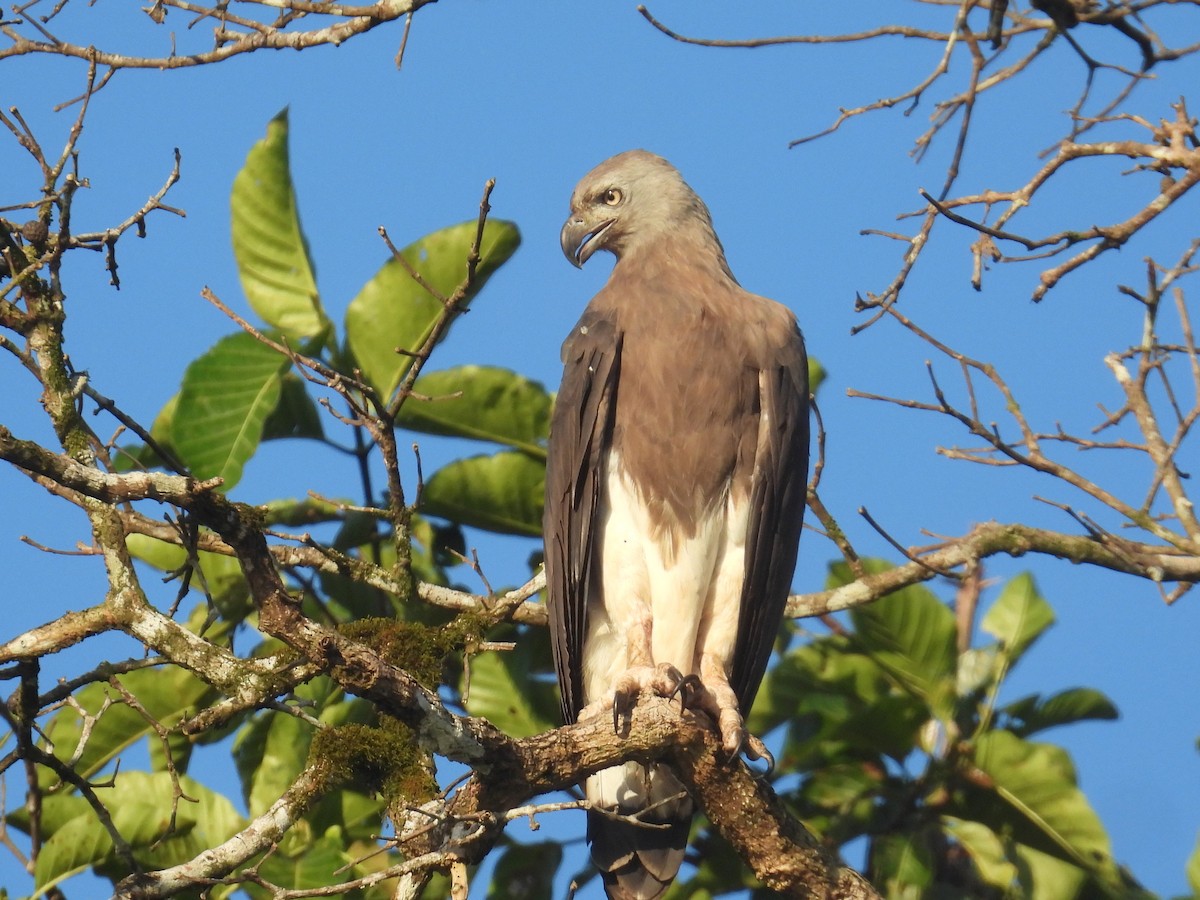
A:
686	688
755	749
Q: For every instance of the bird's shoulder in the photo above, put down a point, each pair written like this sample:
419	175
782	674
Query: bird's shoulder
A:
770	328
597	331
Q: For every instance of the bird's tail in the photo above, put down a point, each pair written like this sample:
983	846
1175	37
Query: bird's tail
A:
638	859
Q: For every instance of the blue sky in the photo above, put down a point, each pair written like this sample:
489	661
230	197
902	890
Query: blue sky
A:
533	94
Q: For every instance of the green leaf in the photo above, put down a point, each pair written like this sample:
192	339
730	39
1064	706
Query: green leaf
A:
141	803
816	375
270	751
314	867
1033	714
222	574
1034	797
816	690
1043	875
890	725
394	311
526	871
840	786
503	492
495	405
224	402
295	416
166	693
268	244
1193	869
139	456
902	864
504	688
986	850
75	847
272	748
1018	617
911	635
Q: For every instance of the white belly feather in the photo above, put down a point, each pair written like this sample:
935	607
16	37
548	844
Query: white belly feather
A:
681	592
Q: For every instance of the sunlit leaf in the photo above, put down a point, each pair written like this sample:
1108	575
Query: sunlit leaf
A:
75	847
986	850
503	688
816	688
1034	797
268	244
269	752
1018	617
222	574
816	375
1045	875
910	634
841	785
141	806
316	866
226	397
394	311
502	492
889	726
493	405
166	693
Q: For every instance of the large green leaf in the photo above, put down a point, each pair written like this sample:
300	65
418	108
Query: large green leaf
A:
491	405
271	253
1033	796
1018	617
75	847
393	311
140	804
1032	714
226	397
317	866
504	690
911	635
270	751
222	574
502	492
166	693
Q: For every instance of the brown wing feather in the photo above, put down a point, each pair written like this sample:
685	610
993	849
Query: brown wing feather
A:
777	497
580	437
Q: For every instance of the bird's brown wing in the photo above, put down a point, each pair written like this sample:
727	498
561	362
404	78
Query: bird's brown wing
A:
580	437
777	496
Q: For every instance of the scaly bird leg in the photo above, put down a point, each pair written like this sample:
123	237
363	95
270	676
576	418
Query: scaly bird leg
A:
718	700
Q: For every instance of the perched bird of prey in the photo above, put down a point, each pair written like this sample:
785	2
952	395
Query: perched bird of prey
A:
675	489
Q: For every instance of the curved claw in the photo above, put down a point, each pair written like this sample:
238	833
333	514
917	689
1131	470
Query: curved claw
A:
687	688
756	749
625	699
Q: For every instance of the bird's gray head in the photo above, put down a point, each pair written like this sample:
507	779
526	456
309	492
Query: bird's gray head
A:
627	202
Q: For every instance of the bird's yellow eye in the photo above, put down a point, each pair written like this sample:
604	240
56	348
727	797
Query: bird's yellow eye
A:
612	197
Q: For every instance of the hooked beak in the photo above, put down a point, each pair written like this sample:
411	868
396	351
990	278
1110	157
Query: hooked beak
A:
579	240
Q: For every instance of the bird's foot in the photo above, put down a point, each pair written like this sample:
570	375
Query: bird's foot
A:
716	699
664	680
